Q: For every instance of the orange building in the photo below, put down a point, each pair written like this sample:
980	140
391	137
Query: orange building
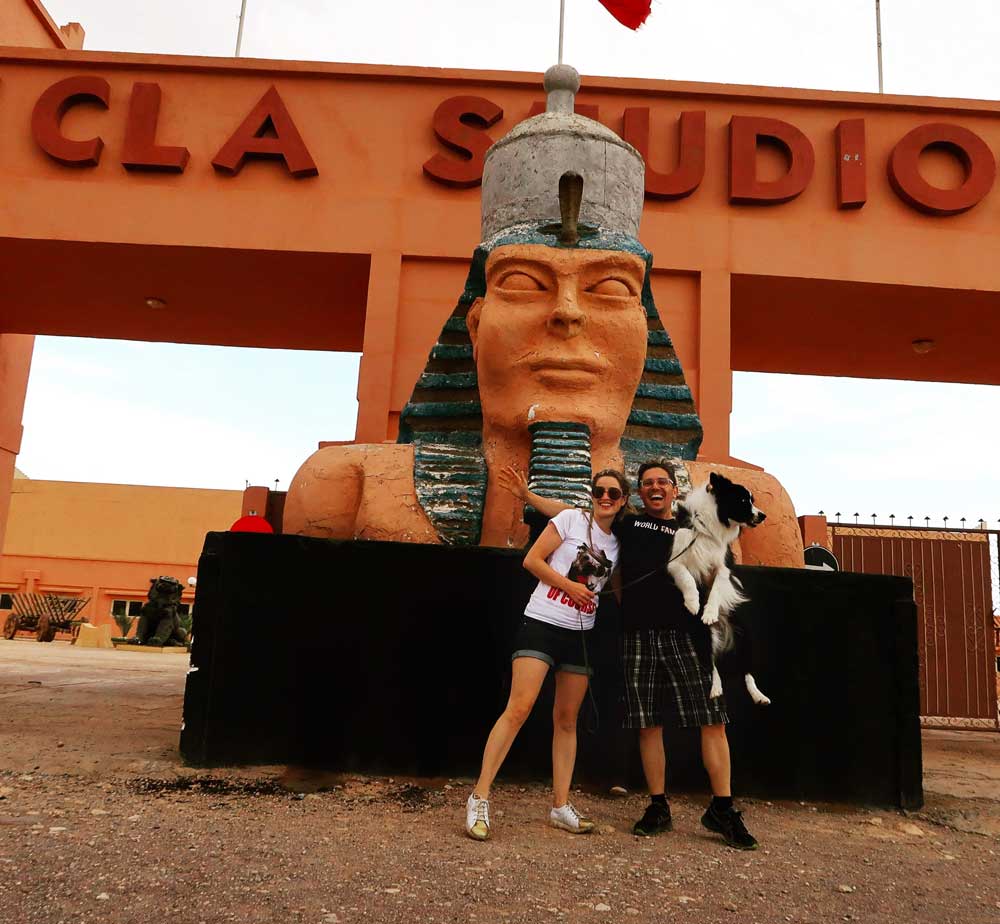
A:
335	207
105	541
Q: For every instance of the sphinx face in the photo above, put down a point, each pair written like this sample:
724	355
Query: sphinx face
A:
560	335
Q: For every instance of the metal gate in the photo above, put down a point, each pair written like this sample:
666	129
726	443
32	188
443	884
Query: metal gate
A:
952	585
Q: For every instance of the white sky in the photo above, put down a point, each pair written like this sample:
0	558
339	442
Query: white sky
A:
836	444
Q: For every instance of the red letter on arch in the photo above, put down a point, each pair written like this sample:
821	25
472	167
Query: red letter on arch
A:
53	104
851	164
140	151
690	157
744	134
973	153
458	124
251	140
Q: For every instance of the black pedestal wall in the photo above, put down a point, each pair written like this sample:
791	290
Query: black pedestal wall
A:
390	657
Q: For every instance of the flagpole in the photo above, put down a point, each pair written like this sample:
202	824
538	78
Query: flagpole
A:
878	40
239	35
562	21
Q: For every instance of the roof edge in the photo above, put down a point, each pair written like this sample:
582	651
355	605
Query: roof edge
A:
48	23
517	79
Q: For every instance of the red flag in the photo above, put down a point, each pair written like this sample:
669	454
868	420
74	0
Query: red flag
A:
631	13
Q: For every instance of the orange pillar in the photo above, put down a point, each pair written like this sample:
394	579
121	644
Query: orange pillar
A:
15	366
814	531
375	374
255	501
715	375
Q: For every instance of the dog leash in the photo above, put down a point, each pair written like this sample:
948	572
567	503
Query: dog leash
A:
656	570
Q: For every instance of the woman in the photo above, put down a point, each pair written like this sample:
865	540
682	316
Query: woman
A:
572	559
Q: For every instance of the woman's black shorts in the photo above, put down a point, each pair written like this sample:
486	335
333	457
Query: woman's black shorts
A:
562	649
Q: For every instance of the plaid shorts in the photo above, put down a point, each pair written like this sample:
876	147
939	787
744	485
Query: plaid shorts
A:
658	662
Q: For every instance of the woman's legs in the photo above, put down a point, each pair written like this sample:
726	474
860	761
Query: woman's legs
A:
528	674
570	691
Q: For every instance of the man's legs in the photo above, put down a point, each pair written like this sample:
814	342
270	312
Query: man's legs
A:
656	818
689	680
654	759
715	756
720	816
643	665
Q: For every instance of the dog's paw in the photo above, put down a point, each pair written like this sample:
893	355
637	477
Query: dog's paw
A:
710	617
755	692
692	603
716	691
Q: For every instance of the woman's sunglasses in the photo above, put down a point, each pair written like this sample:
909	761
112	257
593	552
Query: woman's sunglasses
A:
613	493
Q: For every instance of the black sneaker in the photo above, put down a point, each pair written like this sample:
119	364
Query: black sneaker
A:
729	824
656	819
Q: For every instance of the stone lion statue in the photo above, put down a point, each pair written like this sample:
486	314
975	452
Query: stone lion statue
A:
159	620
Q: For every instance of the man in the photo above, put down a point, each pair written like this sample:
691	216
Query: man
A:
660	662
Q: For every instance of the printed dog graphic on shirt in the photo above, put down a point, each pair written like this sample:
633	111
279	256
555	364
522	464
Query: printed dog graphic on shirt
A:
589	563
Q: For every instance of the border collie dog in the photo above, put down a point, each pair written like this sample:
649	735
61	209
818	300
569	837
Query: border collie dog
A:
710	517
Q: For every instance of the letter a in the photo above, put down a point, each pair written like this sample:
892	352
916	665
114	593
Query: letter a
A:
250	140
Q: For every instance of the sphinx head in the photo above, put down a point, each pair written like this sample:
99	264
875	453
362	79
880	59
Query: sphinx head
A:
556	323
559	335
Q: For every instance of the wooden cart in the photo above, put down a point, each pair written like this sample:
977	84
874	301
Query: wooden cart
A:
44	614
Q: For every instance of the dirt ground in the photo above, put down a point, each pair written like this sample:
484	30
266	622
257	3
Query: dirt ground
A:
100	821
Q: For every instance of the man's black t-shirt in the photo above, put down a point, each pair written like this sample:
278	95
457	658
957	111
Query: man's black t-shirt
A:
653	602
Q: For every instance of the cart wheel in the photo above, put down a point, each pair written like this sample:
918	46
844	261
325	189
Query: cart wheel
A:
46	631
10	626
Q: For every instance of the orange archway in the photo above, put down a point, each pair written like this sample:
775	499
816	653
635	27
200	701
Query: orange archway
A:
331	206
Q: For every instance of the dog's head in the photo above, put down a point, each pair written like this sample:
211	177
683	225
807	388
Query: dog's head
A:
592	562
734	502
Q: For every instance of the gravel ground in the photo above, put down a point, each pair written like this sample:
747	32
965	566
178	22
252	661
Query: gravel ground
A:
99	821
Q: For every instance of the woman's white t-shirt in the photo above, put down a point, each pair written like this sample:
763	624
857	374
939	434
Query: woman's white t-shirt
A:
588	555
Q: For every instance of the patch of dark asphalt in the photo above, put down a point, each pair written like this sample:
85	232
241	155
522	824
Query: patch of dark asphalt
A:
409	797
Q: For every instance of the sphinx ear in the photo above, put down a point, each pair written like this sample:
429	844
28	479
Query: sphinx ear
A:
472	322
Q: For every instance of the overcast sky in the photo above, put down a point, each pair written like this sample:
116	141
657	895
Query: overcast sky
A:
836	444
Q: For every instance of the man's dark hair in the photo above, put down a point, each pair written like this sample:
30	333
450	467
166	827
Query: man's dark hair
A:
657	463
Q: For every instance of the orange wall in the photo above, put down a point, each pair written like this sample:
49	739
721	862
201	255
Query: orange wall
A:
105	541
27	23
15	364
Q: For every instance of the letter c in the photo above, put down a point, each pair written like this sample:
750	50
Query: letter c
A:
53	104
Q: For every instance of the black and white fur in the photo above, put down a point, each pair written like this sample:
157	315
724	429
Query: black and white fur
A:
710	517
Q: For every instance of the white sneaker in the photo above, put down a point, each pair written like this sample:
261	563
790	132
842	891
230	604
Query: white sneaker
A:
569	819
477	818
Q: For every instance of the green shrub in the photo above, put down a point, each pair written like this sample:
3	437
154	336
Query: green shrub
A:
124	623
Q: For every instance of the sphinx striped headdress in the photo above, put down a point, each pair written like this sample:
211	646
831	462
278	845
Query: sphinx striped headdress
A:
443	418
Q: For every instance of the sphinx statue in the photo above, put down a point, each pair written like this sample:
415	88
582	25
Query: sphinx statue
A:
554	361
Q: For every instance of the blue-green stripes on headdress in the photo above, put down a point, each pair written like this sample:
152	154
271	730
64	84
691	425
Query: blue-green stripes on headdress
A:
443	418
